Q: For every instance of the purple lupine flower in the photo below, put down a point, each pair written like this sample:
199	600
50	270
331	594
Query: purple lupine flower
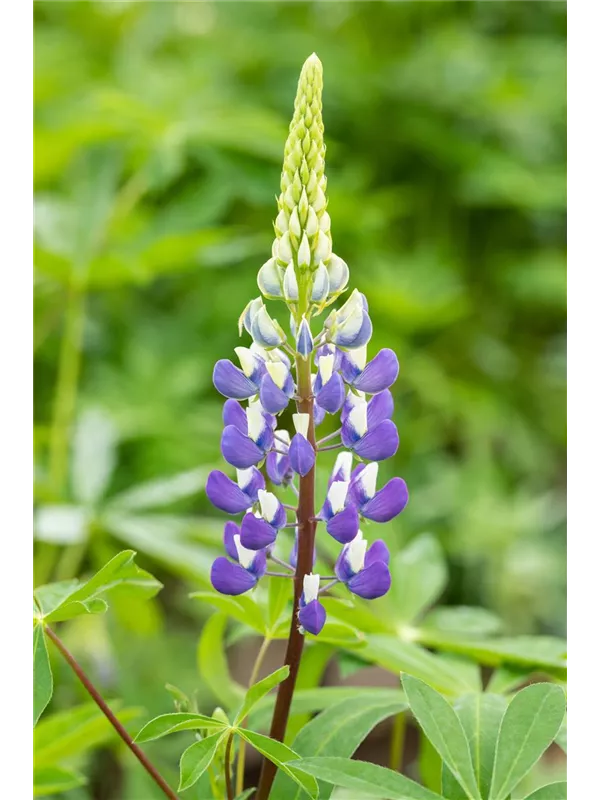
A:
244	571
246	444
328	385
276	387
350	326
382	505
239	384
368	431
304	339
365	571
232	497
372	377
341	518
342	469
301	452
260	528
278	464
311	615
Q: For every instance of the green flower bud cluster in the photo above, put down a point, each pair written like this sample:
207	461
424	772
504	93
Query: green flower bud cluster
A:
303	270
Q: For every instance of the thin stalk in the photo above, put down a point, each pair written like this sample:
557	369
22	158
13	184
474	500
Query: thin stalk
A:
97	698
278	574
281	562
328	586
397	742
306	542
227	767
330	447
329	437
289	507
239	778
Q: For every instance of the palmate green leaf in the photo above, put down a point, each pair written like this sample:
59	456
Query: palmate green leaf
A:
406	657
530	724
258	690
442	727
121	574
242	608
166	724
480	716
212	662
197	758
506	679
552	791
67	734
42	673
162	491
464	621
93	457
280	754
338	731
54	780
419	575
561	736
362	776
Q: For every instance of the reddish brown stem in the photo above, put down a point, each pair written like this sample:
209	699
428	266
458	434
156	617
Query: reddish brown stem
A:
306	542
97	698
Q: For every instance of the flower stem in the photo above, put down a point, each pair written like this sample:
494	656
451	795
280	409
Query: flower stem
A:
330	447
329	437
97	698
306	543
241	759
328	585
281	562
227	768
278	574
397	742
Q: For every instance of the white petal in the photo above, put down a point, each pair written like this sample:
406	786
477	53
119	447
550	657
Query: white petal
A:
282	221
245	556
256	421
326	368
358	357
268	504
244	477
248	360
301	423
285	435
337	495
278	371
323	248
304	253
358	418
290	283
310	586
285	248
368	478
343	465
355	399
355	553
320	287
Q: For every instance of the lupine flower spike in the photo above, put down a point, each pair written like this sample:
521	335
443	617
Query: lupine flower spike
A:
321	369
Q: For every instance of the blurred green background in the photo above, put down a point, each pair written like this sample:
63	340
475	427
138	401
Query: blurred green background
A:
159	132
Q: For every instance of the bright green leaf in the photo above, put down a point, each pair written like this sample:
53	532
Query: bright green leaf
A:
212	662
161	492
561	736
552	791
506	679
464	621
54	780
419	575
42	673
442	727
480	716
280	755
338	731
93	457
243	609
280	592
258	690
530	724
197	758
177	721
362	776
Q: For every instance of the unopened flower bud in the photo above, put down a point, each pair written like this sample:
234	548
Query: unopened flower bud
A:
265	331
320	287
269	279
294	226
323	247
304	257
290	283
281	223
285	248
304	340
339	274
312	222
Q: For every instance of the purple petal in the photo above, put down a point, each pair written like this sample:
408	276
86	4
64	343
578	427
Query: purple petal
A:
371	582
230	381
379	374
342	567
280	518
379	443
302	455
356	492
349	434
312	617
234	414
225	494
277	467
318	414
350	371
256	533
265	438
239	450
255	483
387	503
379	408
331	396
358	339
259	564
343	526
377	552
272	398
231	529
229	578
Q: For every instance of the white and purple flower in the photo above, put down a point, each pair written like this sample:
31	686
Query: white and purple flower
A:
301	452
278	464
379	506
276	386
340	516
372	377
245	568
328	386
350	326
364	570
248	435
232	497
260	528
311	614
367	429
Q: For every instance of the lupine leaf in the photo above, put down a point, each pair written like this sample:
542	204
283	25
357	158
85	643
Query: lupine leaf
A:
177	721
530	724
338	731
480	716
561	736
314	661
280	592
120	574
419	575
362	776
507	679
280	754
259	690
162	491
442	727
54	780
212	662
42	673
197	758
464	621
94	455
243	609
552	791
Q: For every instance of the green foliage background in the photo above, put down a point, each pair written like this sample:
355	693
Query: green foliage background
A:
159	131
